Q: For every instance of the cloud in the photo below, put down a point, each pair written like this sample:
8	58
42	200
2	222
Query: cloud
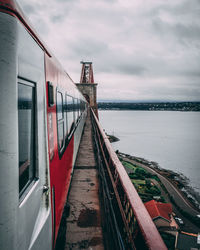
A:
29	9
183	32
140	49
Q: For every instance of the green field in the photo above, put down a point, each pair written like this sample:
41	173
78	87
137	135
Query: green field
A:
128	165
141	179
138	182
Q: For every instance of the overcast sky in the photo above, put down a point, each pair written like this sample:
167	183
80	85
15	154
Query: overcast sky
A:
141	49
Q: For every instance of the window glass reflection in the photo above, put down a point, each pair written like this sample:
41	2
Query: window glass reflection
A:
26	132
59	106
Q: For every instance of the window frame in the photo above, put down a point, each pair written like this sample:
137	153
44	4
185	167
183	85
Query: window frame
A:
60	121
68	131
31	181
73	125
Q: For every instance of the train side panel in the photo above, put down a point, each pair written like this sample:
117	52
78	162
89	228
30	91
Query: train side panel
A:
64	133
25	202
34	208
8	135
60	169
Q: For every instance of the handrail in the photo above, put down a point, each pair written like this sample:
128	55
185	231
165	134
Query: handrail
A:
134	226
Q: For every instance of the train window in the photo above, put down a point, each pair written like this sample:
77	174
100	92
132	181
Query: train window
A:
60	120
61	135
76	109
75	115
59	105
65	114
51	135
26	134
50	94
79	108
70	113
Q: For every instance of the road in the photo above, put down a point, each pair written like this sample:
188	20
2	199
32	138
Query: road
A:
175	193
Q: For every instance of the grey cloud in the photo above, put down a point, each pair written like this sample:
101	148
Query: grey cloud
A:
42	27
191	73
189	32
183	19
122	67
172	92
131	69
57	18
66	1
150	48
185	7
107	60
88	47
29	9
182	8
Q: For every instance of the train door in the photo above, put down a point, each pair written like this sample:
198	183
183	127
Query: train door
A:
34	214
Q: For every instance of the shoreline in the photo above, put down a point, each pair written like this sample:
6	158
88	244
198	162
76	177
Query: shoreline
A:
112	138
178	180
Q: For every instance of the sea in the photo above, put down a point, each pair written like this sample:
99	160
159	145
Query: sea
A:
170	138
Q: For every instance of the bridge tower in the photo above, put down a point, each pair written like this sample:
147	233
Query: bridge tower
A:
87	86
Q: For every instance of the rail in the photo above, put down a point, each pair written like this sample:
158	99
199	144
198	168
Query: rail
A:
127	224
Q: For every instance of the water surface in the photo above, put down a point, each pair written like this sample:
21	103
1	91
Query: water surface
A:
170	138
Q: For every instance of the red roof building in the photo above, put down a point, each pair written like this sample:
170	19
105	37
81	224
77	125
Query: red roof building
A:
159	210
161	214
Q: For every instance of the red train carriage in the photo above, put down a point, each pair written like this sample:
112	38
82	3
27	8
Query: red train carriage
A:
42	118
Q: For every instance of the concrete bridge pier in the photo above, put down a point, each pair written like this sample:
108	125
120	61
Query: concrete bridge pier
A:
87	86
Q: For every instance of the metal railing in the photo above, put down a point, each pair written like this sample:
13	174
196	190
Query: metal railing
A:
126	223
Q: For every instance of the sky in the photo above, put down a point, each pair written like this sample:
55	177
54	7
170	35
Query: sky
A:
142	50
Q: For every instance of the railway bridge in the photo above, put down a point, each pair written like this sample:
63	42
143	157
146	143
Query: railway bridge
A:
103	209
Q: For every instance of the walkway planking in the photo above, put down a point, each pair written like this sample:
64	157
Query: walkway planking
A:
84	222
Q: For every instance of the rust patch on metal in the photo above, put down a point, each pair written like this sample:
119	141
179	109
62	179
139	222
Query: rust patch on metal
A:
89	218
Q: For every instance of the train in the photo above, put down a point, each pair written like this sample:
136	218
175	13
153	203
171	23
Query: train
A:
42	116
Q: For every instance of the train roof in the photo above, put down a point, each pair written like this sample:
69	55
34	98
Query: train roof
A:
11	7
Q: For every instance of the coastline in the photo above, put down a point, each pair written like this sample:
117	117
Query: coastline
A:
112	138
178	180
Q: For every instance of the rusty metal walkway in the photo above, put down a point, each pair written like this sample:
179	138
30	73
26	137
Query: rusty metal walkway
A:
84	222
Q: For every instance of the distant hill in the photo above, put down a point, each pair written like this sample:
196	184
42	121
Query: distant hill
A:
171	106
